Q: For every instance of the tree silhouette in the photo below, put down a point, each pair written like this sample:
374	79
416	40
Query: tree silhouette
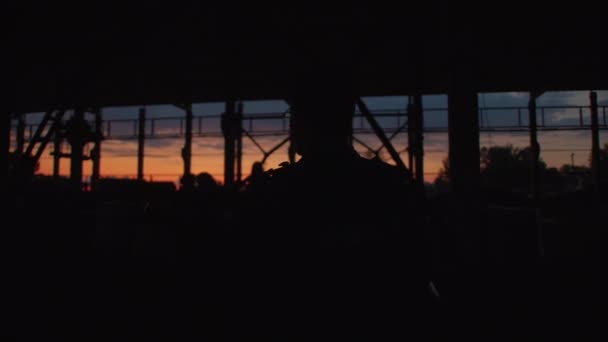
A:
503	168
508	168
442	180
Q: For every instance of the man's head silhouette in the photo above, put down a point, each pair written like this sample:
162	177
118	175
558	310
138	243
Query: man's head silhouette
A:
322	107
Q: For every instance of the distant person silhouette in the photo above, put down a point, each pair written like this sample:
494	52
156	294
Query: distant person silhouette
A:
257	174
330	247
206	184
257	170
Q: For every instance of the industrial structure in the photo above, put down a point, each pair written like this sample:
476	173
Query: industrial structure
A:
235	128
183	55
82	58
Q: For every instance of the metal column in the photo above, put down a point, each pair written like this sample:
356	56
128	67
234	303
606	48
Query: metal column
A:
5	143
20	134
239	142
229	142
57	139
77	143
96	151
418	140
187	178
410	133
141	138
595	139
534	146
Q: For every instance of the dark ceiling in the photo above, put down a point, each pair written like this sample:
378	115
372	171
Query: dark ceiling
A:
115	54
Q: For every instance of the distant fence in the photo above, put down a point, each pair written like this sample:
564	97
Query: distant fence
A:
549	118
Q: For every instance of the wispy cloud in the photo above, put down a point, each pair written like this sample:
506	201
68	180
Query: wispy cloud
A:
570	98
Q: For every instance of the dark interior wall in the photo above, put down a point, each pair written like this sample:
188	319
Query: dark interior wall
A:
105	54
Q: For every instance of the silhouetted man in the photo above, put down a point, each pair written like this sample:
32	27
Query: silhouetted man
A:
331	247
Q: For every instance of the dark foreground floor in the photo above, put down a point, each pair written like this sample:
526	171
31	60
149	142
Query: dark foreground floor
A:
85	268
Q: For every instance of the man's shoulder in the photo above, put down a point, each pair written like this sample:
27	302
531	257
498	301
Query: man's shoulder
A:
383	171
282	173
272	179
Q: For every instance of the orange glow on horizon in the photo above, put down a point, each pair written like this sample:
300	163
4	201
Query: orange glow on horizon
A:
164	163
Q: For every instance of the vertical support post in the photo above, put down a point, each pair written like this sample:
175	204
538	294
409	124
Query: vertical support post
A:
229	142
5	142
141	139
595	139
20	134
463	137
419	141
77	143
239	142
534	146
291	150
57	139
463	239
518	117
187	179
410	133
96	151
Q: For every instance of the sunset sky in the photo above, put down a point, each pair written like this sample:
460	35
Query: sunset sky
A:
163	160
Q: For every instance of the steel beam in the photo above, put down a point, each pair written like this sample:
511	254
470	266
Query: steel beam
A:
274	149
55	126
38	134
380	133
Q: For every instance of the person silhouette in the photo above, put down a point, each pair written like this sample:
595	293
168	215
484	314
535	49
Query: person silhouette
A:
206	184
257	173
343	257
